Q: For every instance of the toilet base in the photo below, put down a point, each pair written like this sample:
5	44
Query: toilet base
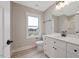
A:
39	48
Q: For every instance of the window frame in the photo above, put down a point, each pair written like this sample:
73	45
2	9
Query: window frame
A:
26	21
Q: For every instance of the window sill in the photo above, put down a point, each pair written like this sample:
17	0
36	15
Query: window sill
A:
29	37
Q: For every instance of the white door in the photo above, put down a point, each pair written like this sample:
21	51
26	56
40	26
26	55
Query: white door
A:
1	32
4	33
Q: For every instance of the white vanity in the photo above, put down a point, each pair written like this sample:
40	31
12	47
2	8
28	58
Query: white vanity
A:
56	46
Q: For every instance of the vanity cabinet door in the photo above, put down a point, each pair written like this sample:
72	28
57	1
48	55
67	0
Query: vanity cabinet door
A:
0	56
60	53
48	46
47	50
60	43
72	51
54	48
70	55
60	49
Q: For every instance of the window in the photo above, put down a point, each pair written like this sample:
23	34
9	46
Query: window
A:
33	26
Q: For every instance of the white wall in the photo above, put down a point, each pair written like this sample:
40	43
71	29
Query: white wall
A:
56	24
18	24
76	17
62	23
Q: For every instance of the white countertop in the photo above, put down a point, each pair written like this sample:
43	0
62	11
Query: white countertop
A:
68	38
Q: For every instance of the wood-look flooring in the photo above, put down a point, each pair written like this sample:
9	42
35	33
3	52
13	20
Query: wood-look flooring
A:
30	53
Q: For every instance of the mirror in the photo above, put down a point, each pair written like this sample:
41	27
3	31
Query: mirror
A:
67	23
66	17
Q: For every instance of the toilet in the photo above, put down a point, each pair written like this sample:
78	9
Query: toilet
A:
39	43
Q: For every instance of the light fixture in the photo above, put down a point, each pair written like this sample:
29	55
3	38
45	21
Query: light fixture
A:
62	4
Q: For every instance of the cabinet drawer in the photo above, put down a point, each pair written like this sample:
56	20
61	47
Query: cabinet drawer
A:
48	41
60	44
73	49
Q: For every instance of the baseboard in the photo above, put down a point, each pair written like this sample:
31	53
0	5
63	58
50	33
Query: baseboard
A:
22	48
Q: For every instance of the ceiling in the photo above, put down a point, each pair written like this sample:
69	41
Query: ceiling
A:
39	5
70	9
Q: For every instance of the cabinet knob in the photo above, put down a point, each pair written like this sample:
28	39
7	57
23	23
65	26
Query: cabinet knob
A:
75	50
54	42
54	48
